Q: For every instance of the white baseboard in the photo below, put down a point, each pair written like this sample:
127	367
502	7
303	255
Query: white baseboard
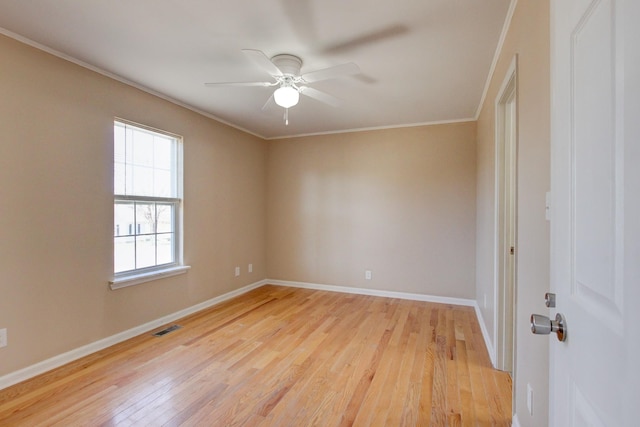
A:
70	356
485	333
375	292
515	422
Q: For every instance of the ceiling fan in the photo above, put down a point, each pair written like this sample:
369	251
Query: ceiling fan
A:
285	70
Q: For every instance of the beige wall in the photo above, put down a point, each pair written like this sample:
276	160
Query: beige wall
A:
528	37
414	205
399	202
56	214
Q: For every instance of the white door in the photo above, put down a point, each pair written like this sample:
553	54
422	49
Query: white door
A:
595	212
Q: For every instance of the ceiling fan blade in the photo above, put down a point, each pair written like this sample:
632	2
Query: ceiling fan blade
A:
331	72
320	96
367	39
262	84
260	59
301	17
269	102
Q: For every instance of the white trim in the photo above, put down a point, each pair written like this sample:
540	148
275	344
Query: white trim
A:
510	80
485	334
375	292
70	356
366	129
509	75
496	55
136	279
516	421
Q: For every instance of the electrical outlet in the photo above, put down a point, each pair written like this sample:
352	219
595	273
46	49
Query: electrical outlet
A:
529	399
237	271
3	337
250	269
367	274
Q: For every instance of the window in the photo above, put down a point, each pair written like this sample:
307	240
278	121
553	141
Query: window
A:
147	204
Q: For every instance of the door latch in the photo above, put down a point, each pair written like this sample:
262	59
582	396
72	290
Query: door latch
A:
542	325
550	300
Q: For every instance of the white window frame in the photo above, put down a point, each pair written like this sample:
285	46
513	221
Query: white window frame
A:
145	274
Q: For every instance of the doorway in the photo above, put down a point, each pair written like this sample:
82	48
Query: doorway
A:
506	219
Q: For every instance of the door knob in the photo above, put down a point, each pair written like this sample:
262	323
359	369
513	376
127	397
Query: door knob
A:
542	325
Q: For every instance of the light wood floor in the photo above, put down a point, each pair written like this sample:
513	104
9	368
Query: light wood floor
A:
282	357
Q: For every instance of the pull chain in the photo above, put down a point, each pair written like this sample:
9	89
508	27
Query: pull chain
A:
286	117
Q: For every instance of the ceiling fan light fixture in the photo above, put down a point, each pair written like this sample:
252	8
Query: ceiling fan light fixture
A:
286	96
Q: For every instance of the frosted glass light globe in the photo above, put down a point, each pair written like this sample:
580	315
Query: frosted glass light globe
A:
286	96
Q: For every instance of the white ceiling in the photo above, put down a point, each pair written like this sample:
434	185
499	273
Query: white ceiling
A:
421	61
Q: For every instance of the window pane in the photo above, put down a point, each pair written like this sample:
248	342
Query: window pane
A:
145	218
165	249
142	181
164	218
124	254
119	139
146	162
163	156
142	148
119	158
163	187
145	251
119	175
123	219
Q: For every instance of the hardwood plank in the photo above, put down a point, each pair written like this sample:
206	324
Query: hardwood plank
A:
426	389
281	356
406	354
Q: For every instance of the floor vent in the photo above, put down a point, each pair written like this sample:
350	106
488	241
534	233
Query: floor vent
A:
167	330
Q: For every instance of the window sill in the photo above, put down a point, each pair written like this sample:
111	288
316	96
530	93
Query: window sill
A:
137	279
